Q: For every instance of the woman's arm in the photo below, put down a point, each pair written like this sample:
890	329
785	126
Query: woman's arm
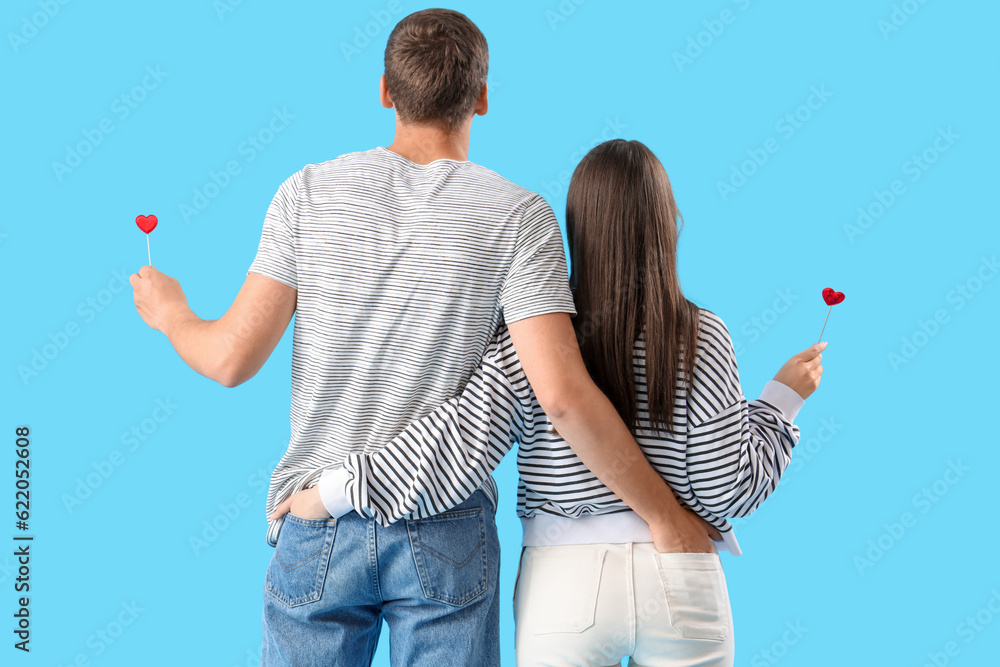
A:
734	460
440	459
737	449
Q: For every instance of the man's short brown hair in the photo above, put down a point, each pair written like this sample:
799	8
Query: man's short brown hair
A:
436	62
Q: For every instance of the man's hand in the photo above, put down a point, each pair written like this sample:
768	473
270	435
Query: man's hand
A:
686	532
158	298
305	503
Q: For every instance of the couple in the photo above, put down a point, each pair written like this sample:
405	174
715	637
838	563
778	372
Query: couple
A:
433	329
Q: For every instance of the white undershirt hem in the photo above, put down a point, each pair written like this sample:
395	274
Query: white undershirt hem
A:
544	530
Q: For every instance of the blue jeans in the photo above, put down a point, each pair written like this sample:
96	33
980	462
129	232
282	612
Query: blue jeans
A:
331	582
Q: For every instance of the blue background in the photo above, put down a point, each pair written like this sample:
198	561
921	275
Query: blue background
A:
833	555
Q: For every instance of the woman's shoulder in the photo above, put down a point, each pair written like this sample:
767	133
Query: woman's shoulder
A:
715	354
712	331
713	337
715	368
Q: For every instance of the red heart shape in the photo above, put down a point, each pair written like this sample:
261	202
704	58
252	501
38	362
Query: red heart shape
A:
832	298
147	223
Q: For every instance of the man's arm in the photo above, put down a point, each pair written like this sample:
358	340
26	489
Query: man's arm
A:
536	303
231	349
441	458
547	348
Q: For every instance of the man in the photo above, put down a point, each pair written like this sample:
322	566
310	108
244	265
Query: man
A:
399	263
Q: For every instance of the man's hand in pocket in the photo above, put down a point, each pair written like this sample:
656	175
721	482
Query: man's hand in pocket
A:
305	503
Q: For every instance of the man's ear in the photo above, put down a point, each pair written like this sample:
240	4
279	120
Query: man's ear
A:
483	103
384	97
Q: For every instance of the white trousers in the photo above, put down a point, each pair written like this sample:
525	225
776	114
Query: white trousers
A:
594	604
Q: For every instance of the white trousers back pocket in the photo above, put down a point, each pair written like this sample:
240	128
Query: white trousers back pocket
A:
697	598
557	588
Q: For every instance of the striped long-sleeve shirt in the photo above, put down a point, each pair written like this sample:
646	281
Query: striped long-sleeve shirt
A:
723	458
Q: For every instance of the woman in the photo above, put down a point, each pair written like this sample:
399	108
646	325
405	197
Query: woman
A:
591	588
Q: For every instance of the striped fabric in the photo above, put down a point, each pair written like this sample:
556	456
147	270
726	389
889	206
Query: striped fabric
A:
723	459
403	272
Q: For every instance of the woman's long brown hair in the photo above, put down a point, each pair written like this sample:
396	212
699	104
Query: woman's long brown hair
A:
622	228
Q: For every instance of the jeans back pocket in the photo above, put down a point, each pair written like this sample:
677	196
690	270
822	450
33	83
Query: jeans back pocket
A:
301	558
449	551
697	598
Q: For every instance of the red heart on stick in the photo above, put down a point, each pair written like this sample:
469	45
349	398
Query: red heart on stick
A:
832	298
147	223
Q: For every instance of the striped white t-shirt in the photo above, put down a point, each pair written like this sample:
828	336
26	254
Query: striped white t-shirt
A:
403	272
723	458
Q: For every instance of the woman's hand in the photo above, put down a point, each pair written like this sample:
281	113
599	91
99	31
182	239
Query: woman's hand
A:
802	372
305	503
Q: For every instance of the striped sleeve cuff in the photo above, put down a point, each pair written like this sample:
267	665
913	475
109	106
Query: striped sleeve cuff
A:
783	397
333	491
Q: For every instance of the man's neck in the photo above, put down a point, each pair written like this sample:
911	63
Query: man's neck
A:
425	143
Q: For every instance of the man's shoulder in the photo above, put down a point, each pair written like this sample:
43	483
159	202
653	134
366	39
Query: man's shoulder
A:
341	163
503	186
472	175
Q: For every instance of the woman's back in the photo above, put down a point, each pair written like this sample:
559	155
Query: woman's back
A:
722	457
